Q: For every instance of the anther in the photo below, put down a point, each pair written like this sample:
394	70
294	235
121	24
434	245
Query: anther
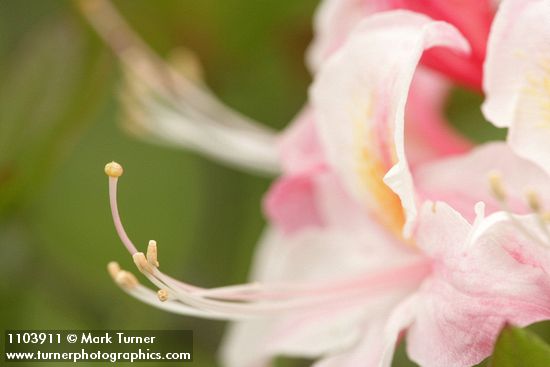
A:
126	279
152	254
113	268
495	182
113	169
141	263
162	294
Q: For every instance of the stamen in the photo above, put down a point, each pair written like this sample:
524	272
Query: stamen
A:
499	192
536	207
152	254
149	297
162	295
142	263
123	278
292	297
126	279
533	201
114	171
246	300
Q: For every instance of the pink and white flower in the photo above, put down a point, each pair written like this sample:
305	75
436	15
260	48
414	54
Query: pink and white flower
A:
372	239
469	255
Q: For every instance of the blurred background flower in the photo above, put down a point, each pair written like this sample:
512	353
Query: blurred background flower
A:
59	116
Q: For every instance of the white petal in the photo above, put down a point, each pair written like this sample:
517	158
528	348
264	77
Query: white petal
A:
332	23
517	77
317	256
359	99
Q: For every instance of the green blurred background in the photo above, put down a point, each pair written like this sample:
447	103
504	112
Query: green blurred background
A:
59	126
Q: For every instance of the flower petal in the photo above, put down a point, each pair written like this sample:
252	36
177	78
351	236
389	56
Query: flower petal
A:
510	58
379	339
319	255
368	352
333	21
292	203
299	146
298	258
479	282
517	77
336	18
316	198
427	133
359	102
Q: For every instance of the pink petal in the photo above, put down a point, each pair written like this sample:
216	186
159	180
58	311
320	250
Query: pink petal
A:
336	18
428	134
441	229
292	203
480	281
312	199
299	145
473	19
359	101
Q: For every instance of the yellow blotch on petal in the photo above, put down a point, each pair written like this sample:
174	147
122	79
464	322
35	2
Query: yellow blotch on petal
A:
382	200
371	169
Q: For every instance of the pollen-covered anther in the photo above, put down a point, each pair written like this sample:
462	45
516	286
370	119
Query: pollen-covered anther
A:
113	169
121	277
162	294
126	279
113	268
497	187
142	263
152	254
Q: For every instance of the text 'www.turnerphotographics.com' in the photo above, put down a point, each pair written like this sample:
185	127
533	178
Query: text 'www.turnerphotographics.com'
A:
98	345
